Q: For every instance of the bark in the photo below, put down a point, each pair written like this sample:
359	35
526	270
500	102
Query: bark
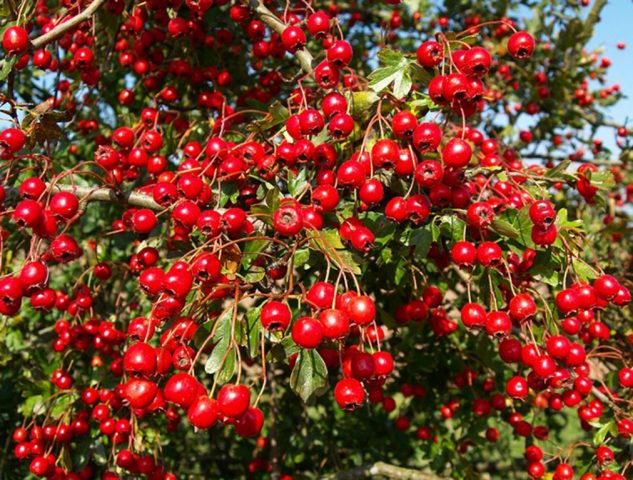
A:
381	469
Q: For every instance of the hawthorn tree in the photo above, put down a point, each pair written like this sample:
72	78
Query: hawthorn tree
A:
312	239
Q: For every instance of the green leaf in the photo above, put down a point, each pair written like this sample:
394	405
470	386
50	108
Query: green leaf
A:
6	65
222	338
328	242
604	430
391	57
301	257
520	220
268	206
421	104
382	228
562	220
228	368
396	70
228	193
63	404
309	377
559	172
251	251
402	85
421	239
253	329
361	102
602	180
381	78
32	405
277	115
504	228
452	227
584	271
255	274
297	184
400	270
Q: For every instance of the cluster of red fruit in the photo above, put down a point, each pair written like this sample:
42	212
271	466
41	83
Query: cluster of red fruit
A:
153	358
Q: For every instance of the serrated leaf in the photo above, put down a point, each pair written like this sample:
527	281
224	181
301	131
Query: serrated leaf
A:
400	271
390	57
421	104
584	271
33	405
402	85
255	274
63	404
521	222
562	220
309	376
381	78
419	74
396	70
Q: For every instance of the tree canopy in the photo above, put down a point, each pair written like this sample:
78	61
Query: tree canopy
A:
356	239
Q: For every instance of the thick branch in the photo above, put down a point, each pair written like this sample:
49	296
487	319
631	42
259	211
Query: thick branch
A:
270	19
593	17
383	470
134	199
91	194
63	27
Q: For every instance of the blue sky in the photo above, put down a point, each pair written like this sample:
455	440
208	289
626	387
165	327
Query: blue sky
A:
615	26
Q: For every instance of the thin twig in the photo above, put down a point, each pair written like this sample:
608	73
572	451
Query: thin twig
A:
62	28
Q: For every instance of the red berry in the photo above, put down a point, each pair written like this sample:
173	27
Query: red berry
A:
430	54
521	45
404	124
182	389
307	332
233	400
275	315
517	387
144	221
427	137
473	315
335	323
456	153
464	254
349	394
542	213
15	40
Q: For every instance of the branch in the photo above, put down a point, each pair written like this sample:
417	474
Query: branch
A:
383	470
270	19
102	194
91	194
63	27
561	158
593	17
